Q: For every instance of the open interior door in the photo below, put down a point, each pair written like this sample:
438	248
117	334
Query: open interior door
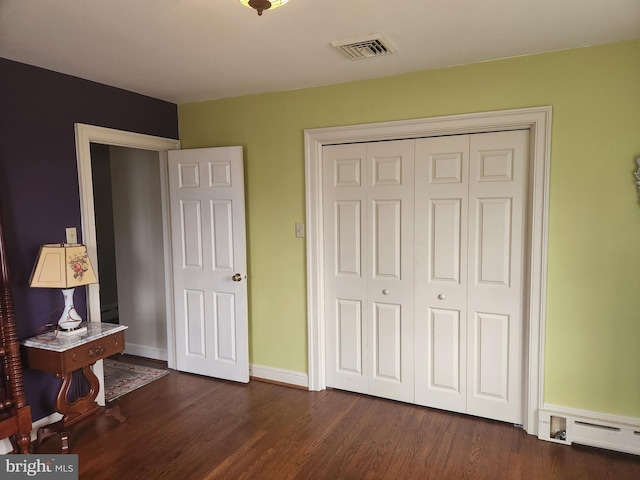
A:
206	194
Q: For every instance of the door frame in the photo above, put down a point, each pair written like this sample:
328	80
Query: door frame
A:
85	135
538	121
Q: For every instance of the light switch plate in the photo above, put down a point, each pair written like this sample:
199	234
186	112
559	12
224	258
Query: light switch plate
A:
72	235
299	230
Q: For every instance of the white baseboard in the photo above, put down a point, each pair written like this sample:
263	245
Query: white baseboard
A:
146	351
5	444
613	432
279	375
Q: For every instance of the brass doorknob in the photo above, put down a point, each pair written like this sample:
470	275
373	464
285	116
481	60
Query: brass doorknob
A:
237	277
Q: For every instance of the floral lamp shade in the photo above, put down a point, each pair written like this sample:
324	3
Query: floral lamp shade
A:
64	266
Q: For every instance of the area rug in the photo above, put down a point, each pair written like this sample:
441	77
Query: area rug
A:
121	378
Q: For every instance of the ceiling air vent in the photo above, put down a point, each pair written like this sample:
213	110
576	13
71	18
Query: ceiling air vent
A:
365	47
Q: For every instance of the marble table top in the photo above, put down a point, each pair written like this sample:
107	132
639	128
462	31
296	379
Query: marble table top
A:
61	342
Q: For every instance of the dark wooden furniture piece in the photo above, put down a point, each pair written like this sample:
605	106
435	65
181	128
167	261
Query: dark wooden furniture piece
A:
71	358
15	414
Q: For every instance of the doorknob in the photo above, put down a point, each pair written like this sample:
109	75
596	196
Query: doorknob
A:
385	292
442	296
237	277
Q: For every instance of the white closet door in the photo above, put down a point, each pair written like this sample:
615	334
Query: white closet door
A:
469	273
344	171
368	220
424	277
442	196
390	268
497	184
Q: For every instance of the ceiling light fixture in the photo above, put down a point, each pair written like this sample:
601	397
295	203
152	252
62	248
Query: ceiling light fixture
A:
261	5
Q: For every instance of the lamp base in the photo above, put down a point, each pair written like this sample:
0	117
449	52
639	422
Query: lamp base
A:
73	332
69	320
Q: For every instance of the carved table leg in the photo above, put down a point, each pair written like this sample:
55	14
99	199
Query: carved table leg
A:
48	431
115	413
77	410
83	405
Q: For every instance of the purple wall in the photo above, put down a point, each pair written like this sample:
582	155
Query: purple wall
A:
39	179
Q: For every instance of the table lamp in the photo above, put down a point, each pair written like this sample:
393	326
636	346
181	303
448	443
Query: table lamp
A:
64	266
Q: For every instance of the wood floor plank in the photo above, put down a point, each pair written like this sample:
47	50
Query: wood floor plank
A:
190	427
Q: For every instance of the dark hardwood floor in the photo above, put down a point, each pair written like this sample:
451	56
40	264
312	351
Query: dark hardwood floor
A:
189	427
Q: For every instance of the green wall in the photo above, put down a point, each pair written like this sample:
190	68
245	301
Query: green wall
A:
592	358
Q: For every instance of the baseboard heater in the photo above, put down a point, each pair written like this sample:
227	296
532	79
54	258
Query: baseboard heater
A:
586	428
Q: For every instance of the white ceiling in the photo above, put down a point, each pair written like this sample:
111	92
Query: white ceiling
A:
194	50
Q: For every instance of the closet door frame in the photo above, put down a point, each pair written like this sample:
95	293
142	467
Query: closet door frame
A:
538	121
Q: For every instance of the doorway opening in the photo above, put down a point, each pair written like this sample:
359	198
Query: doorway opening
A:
130	245
86	135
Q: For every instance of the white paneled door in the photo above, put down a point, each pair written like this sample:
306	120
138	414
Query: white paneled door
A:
469	273
424	249
441	233
206	192
495	309
368	207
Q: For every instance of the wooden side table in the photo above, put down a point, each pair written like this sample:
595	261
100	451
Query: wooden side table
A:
70	358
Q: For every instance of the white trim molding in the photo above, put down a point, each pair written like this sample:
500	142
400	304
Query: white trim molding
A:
146	351
538	121
288	377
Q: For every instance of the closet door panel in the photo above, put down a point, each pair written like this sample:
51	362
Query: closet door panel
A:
346	303
389	256
496	245
441	271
